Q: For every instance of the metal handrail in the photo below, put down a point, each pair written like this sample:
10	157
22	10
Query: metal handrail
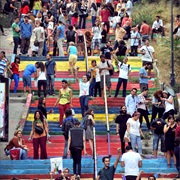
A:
94	153
86	53
107	117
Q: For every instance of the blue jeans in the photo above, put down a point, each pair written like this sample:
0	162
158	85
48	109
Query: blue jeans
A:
65	148
92	86
136	140
93	19
16	81
84	104
156	139
45	50
50	84
16	42
23	153
35	11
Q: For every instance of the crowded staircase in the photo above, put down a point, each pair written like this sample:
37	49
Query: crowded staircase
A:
41	168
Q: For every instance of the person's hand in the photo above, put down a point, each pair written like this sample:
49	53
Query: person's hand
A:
71	105
119	150
29	139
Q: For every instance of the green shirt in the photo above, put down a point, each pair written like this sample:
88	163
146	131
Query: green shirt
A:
15	34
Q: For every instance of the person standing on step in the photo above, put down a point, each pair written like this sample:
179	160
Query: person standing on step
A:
39	135
107	172
145	31
64	99
88	126
143	75
131	101
76	143
131	161
158	126
142	109
124	70
70	35
50	74
121	121
28	71
68	123
147	52
16	34
104	67
26	32
83	14
60	37
104	17
84	93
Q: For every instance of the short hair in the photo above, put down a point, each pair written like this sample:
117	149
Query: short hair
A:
134	89
136	113
93	61
64	81
147	63
102	56
151	176
105	157
17	131
170	117
68	112
66	169
70	27
115	13
144	89
144	21
129	147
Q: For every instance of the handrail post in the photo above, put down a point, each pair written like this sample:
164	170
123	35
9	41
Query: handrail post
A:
94	154
107	118
86	53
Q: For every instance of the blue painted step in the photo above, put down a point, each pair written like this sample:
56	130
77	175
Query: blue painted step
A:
9	167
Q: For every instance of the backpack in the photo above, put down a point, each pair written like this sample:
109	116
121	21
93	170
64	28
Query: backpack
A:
128	66
111	72
84	123
70	36
68	125
7	7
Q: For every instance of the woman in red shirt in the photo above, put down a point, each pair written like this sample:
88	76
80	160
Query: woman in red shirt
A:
14	68
24	10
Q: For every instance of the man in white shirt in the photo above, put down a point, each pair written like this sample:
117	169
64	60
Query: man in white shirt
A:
157	27
124	70
131	161
147	52
104	67
129	7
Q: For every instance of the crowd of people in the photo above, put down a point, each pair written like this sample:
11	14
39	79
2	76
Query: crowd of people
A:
57	23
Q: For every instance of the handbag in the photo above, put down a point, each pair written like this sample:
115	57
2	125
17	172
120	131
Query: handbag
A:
36	43
38	129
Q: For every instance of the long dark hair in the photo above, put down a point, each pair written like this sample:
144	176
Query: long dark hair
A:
17	57
88	112
40	102
41	66
41	115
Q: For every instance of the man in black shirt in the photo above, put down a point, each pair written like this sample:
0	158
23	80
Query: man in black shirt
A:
158	127
107	50
120	121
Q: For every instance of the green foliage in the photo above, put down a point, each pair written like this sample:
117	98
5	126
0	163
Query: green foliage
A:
134	80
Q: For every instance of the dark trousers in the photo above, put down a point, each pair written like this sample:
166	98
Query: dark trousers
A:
143	85
120	81
155	111
97	88
82	22
84	104
131	177
134	50
42	142
159	30
121	133
144	113
25	42
40	84
166	115
1	28
16	43
76	156
107	26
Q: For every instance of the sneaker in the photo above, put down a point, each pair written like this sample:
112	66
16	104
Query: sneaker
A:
77	177
48	142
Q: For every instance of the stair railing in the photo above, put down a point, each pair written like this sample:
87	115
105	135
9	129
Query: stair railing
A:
107	116
86	53
94	153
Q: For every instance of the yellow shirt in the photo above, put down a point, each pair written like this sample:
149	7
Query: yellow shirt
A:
65	96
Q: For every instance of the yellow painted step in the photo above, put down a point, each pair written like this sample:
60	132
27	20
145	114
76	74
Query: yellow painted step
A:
55	117
61	66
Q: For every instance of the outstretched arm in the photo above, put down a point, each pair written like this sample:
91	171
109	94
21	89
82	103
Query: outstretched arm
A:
117	158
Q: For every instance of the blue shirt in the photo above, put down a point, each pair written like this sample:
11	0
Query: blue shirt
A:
26	30
143	72
50	67
30	69
73	50
61	28
131	103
